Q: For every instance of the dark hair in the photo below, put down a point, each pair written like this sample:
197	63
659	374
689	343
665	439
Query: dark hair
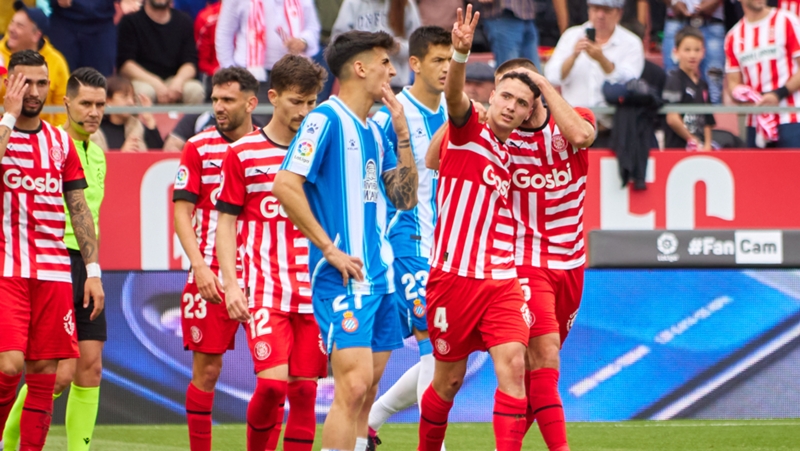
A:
525	79
84	76
295	71
688	32
423	38
246	80
116	83
26	58
348	45
515	63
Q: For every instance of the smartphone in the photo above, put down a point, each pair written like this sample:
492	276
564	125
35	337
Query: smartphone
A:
590	34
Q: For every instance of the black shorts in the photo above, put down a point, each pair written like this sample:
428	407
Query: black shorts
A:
87	329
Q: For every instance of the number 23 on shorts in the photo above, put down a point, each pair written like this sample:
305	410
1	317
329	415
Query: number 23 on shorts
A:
195	306
410	282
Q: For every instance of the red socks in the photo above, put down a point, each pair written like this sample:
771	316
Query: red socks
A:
198	415
275	435
8	392
546	405
529	417
433	420
302	422
261	412
509	421
37	411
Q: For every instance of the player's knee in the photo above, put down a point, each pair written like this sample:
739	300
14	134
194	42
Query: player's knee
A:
62	382
545	356
10	368
356	392
208	375
303	391
448	385
91	374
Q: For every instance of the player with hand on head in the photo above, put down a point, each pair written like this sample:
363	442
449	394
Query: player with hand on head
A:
284	339
85	102
474	299
411	232
41	172
208	331
334	185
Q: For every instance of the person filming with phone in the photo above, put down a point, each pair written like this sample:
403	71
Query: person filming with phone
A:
588	55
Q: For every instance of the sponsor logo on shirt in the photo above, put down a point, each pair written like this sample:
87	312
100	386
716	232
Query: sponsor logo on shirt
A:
491	179
271	208
555	179
182	177
14	179
371	181
761	54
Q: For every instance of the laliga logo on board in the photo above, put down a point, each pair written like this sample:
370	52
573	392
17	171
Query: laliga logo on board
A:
555	179
492	180
667	244
182	177
47	184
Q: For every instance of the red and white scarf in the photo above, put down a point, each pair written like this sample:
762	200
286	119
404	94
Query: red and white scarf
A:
257	29
766	123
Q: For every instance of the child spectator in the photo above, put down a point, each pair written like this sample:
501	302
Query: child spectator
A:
685	85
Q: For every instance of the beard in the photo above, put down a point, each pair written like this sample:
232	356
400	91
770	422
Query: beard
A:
32	112
159	4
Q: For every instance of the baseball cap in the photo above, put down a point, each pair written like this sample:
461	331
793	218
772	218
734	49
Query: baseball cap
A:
607	3
479	71
36	15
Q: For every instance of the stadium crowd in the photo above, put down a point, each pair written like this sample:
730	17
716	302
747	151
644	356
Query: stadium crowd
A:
168	50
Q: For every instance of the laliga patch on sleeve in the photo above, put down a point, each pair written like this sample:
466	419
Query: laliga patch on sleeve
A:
182	177
304	152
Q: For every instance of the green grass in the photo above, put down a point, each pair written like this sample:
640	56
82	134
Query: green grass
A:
683	435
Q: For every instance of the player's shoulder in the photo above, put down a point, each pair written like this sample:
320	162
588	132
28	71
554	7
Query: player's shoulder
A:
382	117
253	140
583	112
204	137
58	134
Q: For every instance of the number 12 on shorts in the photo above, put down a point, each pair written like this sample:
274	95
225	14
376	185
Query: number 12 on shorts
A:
258	324
440	319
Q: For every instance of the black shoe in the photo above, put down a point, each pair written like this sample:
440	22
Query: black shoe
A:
372	443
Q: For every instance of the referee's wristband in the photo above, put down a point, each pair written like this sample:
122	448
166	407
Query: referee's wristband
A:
460	57
9	121
93	270
782	92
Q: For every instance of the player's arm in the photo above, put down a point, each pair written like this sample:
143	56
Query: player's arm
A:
12	105
288	189
458	104
83	225
575	129
401	182
432	157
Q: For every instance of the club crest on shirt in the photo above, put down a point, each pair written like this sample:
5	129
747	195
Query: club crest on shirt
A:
442	346
559	143
350	322
419	309
197	334
262	350
57	155
371	181
182	177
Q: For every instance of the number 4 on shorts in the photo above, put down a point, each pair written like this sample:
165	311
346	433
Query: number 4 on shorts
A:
440	319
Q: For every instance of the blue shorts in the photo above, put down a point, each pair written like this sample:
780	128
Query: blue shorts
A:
410	278
359	321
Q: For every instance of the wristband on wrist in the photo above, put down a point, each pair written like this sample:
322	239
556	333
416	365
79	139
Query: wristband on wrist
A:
782	92
9	121
93	270
460	57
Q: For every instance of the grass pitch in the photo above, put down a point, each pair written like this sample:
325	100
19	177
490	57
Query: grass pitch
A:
683	435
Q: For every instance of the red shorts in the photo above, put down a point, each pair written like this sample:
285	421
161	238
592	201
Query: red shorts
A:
38	318
276	338
467	315
554	297
207	327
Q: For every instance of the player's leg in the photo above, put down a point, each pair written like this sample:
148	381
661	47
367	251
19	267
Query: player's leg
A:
11	365
437	402
206	369
84	395
40	377
379	361
14	322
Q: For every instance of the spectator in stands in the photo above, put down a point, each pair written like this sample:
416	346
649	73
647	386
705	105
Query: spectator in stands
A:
156	50
27	31
511	30
85	33
127	132
480	82
596	52
205	27
763	55
7	11
708	16
399	18
439	12
685	85
256	33
327	10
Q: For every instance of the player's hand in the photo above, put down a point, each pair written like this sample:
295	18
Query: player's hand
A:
93	289
175	90
65	3
15	93
236	303
347	265
207	284
130	6
483	115
464	29
132	144
162	92
769	99
295	46
396	109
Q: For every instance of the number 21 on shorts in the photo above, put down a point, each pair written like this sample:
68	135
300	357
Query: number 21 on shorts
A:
440	319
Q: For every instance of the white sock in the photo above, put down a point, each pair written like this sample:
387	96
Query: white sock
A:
426	366
361	444
401	395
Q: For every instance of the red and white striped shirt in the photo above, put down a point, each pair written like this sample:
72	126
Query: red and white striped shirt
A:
198	182
548	188
474	234
764	52
35	167
793	6
275	253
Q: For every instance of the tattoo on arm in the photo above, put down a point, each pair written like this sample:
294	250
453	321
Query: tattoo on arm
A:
402	182
82	224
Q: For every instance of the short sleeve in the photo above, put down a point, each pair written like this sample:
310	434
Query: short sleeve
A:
673	90
307	151
187	180
72	174
587	115
389	154
792	35
232	186
443	145
384	120
465	133
731	62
